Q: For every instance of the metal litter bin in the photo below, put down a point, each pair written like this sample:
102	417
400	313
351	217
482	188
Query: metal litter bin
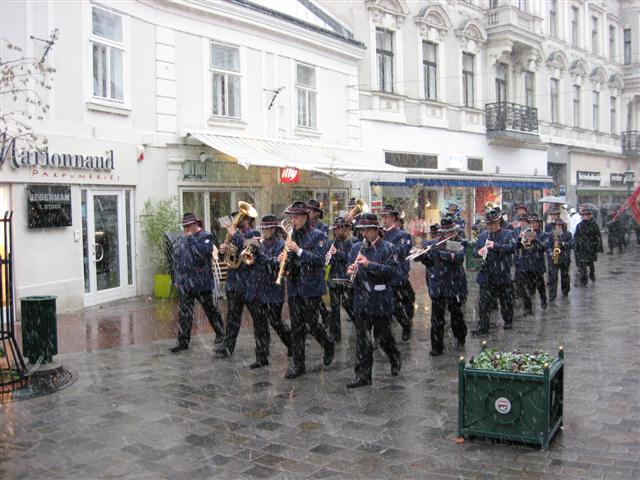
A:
39	328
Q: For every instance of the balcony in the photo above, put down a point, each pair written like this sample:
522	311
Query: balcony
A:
511	124
631	143
631	75
510	24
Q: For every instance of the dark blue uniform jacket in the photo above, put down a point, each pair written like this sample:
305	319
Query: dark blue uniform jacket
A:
263	274
447	277
532	260
238	278
402	243
193	272
373	294
323	227
306	272
339	260
496	269
565	243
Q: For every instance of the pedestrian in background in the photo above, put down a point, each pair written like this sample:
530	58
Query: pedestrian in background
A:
588	242
615	233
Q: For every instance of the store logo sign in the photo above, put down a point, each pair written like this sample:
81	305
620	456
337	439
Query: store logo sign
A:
289	175
34	158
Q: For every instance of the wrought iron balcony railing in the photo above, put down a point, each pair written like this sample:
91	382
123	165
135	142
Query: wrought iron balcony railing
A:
507	116
631	142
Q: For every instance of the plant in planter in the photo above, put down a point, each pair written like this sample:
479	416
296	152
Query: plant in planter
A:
158	218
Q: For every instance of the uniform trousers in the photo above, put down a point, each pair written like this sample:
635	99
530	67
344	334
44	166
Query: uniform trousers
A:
263	315
439	307
488	293
565	282
303	312
185	314
339	297
235	306
530	283
381	325
582	271
405	299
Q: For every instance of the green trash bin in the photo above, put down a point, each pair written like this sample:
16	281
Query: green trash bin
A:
39	329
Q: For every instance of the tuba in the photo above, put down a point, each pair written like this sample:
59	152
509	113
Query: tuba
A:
231	257
359	207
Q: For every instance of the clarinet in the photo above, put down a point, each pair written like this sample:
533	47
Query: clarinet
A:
363	245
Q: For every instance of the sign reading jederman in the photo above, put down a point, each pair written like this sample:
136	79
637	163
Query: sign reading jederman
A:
49	206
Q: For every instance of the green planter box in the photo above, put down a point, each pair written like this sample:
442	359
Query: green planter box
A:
511	406
162	286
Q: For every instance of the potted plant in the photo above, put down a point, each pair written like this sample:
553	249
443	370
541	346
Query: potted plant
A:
158	218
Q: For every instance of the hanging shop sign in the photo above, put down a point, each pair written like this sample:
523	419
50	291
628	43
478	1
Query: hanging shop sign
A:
289	175
616	179
588	178
49	206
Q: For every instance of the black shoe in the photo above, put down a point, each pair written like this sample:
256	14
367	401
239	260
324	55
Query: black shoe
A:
508	326
565	294
543	305
592	278
553	299
460	342
223	351
294	372
218	340
178	347
259	363
395	367
609	253
406	334
480	331
528	311
359	382
337	338
435	353
328	355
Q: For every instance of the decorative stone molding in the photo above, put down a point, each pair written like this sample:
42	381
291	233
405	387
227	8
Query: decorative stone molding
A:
388	13
578	70
433	23
598	77
616	84
472	35
557	62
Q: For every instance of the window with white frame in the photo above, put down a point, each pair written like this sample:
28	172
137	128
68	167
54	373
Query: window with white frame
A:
225	80
575	22
553	18
612	42
529	89
627	45
576	106
430	69
596	111
613	101
384	52
502	75
467	79
553	96
306	92
107	50
594	35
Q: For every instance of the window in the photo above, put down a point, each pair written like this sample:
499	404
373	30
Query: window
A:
529	89
612	42
410	160
107	45
430	69
522	5
493	3
502	72
225	80
467	80
630	116
576	106
596	111
553	95
594	35
553	18
612	101
627	46
384	51
306	92
574	25
474	164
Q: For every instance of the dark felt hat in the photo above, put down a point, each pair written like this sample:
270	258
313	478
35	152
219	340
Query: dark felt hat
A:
558	221
447	225
533	217
315	205
189	219
368	220
389	210
297	208
434	228
492	216
522	206
269	221
340	222
587	211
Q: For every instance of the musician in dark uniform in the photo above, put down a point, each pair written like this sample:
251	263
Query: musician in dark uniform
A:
405	297
264	298
447	284
552	215
560	238
531	250
522	210
374	261
453	211
305	287
237	284
587	244
193	279
316	214
339	292
496	245
520	224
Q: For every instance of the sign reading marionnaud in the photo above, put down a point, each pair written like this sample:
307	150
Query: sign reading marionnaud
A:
34	158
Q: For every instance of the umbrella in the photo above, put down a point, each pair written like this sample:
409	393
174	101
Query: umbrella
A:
552	199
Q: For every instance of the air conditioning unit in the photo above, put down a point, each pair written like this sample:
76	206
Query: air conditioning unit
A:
457	162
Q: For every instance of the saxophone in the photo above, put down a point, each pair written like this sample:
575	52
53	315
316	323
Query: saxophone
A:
555	255
288	228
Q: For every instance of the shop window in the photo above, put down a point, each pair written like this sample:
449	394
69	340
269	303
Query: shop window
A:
107	47
384	52
306	93
411	160
225	80
85	240
128	225
468	80
474	164
430	70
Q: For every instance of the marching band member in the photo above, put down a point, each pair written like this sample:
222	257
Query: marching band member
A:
532	247
237	284
453	210
496	247
316	214
194	279
337	255
559	245
305	286
552	215
372	266
405	297
264	298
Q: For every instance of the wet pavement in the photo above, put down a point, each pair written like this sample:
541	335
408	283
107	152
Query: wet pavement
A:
138	412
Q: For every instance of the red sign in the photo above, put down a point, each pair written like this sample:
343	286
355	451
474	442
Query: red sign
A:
289	175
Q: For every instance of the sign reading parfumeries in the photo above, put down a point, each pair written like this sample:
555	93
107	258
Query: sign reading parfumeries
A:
49	206
289	175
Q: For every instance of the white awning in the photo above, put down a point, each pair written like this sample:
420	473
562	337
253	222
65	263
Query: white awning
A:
342	162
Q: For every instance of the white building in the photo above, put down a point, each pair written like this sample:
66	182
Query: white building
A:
478	93
203	100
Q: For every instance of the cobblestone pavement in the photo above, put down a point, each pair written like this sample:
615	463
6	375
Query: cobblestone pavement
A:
139	412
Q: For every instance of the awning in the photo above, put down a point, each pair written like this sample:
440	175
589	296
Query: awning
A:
466	180
342	162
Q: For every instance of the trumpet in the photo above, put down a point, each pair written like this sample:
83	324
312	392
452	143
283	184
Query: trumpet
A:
248	255
527	237
417	252
359	207
231	257
287	226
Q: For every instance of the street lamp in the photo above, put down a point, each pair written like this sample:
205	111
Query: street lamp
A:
628	179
